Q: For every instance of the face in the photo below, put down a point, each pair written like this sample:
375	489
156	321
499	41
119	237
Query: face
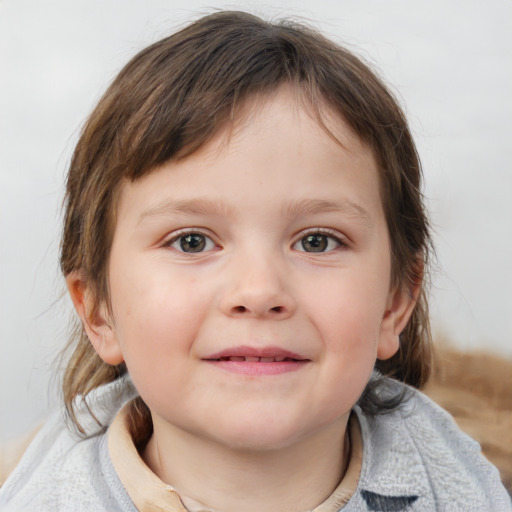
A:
250	282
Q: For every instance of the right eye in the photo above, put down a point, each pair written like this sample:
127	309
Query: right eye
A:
192	243
321	241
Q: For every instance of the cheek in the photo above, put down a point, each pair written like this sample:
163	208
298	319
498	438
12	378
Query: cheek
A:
156	332
143	296
157	315
348	309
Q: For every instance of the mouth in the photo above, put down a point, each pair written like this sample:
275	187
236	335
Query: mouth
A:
257	361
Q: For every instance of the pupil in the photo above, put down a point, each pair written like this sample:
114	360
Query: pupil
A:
192	243
314	243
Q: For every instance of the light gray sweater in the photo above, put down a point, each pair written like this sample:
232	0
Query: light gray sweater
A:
414	459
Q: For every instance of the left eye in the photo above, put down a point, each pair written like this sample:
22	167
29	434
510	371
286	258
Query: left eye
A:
192	243
317	242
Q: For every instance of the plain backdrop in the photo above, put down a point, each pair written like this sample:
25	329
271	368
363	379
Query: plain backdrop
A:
449	63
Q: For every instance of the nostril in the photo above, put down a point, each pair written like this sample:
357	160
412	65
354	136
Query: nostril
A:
243	309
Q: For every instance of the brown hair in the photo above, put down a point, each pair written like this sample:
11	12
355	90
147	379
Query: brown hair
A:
173	96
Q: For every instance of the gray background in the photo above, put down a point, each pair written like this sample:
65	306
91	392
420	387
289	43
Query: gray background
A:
448	61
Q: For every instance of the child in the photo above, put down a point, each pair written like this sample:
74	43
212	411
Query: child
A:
245	244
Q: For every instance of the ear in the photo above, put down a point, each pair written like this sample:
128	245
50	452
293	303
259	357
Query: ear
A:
400	305
95	319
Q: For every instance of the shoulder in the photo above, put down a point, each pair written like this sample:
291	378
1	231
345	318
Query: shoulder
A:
61	471
417	451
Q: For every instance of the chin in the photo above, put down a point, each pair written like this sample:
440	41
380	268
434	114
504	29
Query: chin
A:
261	435
258	442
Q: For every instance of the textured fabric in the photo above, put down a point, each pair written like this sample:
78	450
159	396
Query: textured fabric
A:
12	451
62	472
415	459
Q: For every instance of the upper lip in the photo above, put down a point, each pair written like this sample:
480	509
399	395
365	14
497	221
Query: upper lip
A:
259	352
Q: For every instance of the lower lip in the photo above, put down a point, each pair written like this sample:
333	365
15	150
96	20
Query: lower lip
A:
258	368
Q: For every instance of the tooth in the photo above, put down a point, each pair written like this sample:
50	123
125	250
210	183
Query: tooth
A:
279	359
251	359
237	358
267	359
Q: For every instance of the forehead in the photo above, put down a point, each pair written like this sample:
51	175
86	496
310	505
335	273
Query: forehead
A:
294	103
275	147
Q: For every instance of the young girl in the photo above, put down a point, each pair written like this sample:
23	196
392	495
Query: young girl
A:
245	244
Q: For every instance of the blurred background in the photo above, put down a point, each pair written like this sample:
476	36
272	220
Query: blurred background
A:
449	63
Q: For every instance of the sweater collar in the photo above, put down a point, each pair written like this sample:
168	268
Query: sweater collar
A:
149	493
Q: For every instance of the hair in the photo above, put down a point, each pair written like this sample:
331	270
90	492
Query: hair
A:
174	96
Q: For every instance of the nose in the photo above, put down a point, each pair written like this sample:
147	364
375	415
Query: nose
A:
258	288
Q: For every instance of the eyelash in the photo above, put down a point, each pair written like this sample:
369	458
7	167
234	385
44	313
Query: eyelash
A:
180	235
206	243
328	233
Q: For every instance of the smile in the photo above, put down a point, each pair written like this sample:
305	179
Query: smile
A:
257	361
251	359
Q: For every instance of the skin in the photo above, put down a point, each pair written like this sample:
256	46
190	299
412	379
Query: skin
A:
227	432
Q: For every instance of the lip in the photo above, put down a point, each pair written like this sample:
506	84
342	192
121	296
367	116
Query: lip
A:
255	361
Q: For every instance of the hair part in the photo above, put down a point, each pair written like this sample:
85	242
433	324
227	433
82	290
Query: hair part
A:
175	95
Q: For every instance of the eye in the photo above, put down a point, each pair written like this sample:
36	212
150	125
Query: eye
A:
317	242
192	243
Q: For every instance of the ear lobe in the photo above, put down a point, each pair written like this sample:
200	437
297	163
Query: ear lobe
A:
95	319
401	304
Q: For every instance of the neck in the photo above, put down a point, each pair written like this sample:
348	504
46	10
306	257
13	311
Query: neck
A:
295	478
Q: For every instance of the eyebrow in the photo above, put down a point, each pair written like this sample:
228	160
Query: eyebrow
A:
316	206
201	206
208	207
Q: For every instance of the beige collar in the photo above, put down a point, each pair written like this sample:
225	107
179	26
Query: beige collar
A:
150	494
